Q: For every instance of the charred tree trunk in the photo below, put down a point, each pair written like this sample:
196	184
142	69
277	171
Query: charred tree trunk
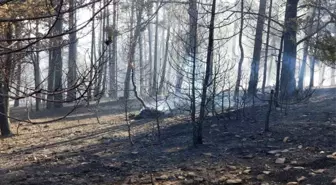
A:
254	75
37	71
72	58
241	60
18	83
332	74
267	46
104	84
141	66
18	65
102	57
270	66
4	111
156	53
165	60
93	55
113	62
4	88
278	68
235	27
51	74
130	55
105	50
150	41
192	50
208	70
287	79
134	38
57	61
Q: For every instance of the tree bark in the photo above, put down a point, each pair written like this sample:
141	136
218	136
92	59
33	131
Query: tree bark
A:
130	54
18	83
141	66
93	55
4	88
254	74
165	60
333	70
37	71
278	68
207	75
51	73
106	51
156	54
134	38
102	57
272	60
287	79
137	34
4	111
58	62
191	48
150	40
241	60
235	27
191	52
113	62
267	47
18	65
72	58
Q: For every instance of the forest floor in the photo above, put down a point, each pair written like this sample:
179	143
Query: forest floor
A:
300	149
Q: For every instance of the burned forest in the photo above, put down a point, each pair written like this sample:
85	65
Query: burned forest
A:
167	92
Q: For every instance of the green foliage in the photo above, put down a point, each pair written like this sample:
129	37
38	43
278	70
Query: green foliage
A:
324	49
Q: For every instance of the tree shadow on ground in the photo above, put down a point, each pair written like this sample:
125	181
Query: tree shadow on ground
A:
238	150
